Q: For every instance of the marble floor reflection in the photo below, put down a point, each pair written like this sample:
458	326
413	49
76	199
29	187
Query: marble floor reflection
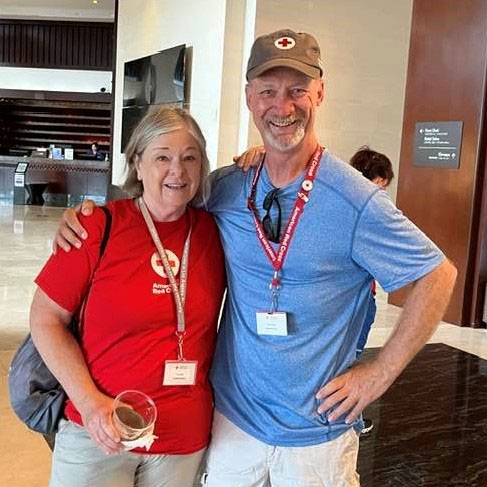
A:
430	427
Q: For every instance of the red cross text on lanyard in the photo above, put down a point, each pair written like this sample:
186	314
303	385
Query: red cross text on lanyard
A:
277	259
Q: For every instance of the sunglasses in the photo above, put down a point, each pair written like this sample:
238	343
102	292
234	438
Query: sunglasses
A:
272	229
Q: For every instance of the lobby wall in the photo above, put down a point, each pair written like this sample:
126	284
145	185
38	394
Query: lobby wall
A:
233	130
365	52
147	27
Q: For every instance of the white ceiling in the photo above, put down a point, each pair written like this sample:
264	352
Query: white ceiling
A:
82	10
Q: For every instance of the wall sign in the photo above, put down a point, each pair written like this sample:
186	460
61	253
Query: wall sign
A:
19	180
19	174
438	144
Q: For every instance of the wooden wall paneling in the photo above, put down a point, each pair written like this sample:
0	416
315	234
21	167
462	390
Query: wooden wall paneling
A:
32	45
4	38
58	45
69	52
45	48
114	77
476	286
22	50
10	43
66	45
31	123
84	58
445	82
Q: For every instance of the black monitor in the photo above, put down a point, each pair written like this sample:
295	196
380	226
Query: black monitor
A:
155	79
158	79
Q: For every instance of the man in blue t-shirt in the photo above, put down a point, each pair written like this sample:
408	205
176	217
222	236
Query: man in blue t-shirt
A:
304	236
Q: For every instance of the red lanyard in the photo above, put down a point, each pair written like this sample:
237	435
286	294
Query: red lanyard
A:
277	259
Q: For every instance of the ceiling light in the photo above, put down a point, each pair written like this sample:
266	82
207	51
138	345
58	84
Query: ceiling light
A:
95	2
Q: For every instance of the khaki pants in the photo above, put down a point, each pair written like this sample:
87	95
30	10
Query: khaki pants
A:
78	462
235	459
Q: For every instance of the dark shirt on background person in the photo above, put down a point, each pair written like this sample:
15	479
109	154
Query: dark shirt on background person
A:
95	153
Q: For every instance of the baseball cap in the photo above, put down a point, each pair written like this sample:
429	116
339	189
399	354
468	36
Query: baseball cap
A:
285	48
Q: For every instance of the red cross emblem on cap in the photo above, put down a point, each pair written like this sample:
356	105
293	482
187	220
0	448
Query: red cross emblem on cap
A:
285	43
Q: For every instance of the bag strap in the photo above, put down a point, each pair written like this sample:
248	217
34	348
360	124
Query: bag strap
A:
106	233
78	317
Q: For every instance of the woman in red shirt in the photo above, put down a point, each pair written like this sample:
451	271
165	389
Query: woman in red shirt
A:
151	311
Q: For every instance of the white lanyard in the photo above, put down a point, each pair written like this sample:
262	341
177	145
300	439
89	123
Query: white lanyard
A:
179	292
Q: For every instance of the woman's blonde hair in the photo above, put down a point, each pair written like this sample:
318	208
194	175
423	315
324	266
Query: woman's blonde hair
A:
159	121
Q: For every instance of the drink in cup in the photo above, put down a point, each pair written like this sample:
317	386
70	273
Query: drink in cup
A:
134	415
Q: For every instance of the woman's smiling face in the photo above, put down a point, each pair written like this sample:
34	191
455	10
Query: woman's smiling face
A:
170	171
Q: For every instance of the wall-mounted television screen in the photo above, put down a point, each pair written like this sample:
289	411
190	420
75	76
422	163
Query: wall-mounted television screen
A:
152	80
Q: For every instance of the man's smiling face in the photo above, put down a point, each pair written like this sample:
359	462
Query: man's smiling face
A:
283	103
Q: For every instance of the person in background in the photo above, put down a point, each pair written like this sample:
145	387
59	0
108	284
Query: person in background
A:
95	152
304	235
163	255
377	168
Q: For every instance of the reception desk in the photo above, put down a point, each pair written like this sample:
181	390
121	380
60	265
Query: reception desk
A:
64	182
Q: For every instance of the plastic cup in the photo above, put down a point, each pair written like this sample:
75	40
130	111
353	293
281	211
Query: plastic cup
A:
134	415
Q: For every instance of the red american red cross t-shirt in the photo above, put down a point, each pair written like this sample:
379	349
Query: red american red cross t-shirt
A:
130	317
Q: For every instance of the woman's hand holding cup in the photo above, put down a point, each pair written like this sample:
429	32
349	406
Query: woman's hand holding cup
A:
96	414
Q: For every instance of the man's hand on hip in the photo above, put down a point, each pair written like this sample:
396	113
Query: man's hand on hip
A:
365	382
353	390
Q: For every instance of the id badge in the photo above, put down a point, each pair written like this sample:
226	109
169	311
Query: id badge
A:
271	323
180	373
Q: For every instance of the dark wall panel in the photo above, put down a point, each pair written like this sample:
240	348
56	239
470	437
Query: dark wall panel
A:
446	82
66	45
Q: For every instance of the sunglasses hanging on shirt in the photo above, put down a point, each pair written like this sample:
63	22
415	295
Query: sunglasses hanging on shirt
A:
272	229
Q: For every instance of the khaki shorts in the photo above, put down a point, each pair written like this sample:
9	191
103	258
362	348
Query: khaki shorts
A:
78	462
235	459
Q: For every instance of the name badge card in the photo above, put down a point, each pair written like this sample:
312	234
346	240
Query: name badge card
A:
271	323
180	373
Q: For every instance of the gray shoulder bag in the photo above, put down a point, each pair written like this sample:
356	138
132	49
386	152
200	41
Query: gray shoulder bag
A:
36	396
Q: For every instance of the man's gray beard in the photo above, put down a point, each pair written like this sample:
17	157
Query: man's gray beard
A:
285	144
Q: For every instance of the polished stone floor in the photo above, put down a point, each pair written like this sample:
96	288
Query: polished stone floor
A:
430	427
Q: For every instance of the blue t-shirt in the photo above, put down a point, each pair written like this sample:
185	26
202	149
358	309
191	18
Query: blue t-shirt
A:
349	233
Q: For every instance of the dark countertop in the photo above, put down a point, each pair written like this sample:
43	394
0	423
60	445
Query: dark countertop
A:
53	164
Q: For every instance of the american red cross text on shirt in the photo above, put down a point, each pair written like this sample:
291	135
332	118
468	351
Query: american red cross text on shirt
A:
284	42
